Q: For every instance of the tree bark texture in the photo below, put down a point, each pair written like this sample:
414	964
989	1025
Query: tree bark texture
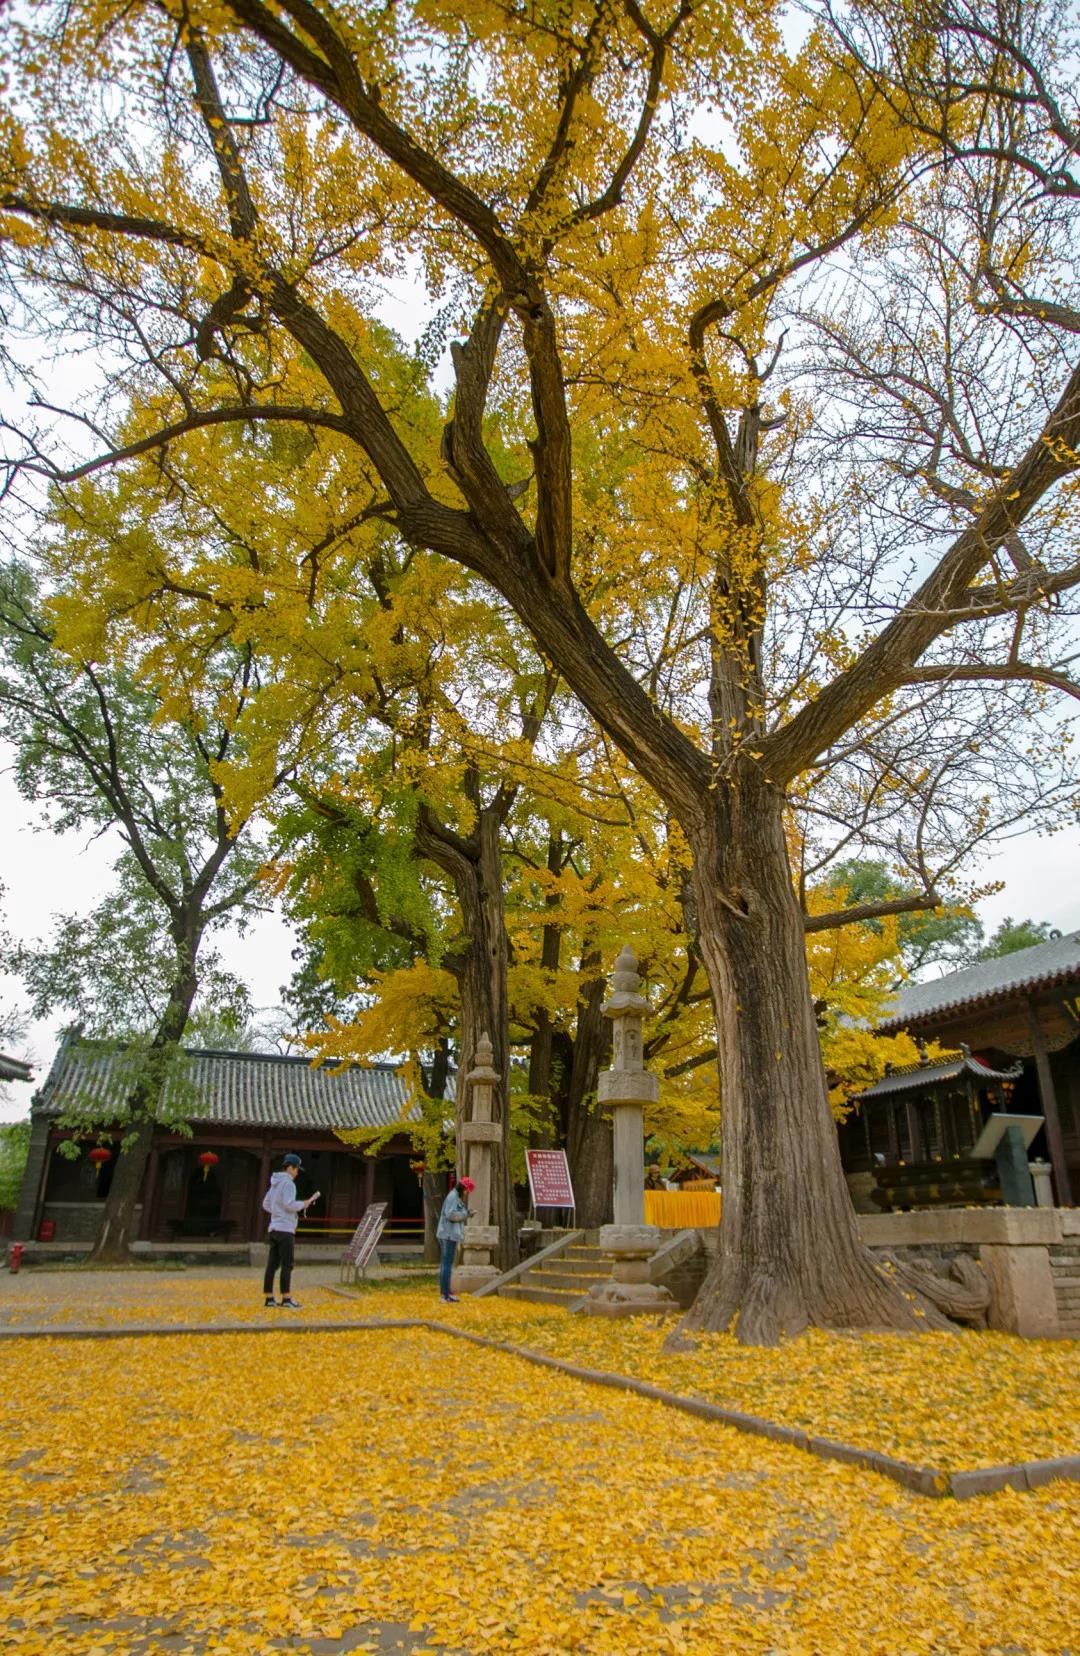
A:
433	1185
590	1150
434	1188
790	1252
117	1233
480	967
542	1045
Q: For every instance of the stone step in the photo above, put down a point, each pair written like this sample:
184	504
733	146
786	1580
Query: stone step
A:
521	1290
577	1281
581	1250
562	1262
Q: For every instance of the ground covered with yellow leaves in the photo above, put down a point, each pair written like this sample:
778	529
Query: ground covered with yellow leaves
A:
950	1401
394	1491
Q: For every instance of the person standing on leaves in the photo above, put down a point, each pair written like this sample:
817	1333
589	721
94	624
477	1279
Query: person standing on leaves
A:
284	1207
450	1231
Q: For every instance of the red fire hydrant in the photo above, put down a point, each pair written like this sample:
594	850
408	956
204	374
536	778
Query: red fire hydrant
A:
15	1256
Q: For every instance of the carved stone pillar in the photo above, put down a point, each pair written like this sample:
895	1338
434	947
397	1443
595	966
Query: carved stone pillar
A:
627	1087
479	1137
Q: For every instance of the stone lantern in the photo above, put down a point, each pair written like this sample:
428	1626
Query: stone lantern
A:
479	1136
626	1088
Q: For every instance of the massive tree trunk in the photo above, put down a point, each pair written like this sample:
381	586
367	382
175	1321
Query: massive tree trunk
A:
113	1245
590	1148
480	967
433	1185
790	1253
542	1080
564	1070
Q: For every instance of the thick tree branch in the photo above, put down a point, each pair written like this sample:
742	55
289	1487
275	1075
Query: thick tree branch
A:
612	195
238	200
885	664
209	417
870	911
331	67
71	217
947	672
463	447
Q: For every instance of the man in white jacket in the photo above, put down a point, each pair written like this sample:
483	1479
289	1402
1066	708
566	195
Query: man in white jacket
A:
284	1207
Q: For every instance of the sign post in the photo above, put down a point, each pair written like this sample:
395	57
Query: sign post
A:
549	1179
357	1255
1006	1138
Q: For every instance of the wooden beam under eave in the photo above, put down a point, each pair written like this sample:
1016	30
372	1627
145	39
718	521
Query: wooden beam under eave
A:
1048	1100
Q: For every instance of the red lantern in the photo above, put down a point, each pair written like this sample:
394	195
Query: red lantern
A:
206	1161
99	1156
419	1168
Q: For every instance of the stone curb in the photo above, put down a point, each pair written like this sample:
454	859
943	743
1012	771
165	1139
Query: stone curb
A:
921	1480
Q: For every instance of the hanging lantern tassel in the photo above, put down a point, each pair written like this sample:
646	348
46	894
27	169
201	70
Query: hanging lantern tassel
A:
99	1157
206	1161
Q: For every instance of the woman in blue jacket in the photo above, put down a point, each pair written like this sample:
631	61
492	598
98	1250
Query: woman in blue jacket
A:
450	1231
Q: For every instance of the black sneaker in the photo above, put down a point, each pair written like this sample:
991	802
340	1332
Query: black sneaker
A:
269	1300
289	1304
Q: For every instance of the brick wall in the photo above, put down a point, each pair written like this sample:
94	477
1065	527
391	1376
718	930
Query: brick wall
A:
1065	1271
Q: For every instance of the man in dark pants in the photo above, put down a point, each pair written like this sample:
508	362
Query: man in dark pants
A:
284	1207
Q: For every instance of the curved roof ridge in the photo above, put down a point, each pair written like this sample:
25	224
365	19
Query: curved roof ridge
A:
1041	965
238	1089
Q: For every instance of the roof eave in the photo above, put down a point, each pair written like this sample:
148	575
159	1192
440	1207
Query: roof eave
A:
950	1011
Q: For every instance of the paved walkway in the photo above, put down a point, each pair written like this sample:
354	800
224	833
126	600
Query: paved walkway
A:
223	1295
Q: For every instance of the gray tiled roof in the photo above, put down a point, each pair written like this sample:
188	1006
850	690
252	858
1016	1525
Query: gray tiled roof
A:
13	1069
917	1076
235	1089
1040	967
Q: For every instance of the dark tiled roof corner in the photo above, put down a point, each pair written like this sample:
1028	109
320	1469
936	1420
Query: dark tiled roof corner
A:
1044	966
915	1076
14	1069
234	1089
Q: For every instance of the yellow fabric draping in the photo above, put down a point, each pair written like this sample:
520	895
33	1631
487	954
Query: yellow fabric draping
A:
682	1209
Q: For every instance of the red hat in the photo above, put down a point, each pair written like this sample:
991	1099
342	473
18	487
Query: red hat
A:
467	1184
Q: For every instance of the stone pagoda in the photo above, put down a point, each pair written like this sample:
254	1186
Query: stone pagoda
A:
480	1134
626	1088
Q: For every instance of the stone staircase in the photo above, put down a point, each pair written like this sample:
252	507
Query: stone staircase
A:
564	1279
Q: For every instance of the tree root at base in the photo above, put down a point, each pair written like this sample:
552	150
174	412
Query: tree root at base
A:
877	1295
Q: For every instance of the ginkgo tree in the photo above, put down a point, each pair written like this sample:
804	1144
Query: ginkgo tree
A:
657	219
99	747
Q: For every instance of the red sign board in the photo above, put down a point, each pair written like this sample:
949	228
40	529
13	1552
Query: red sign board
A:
549	1179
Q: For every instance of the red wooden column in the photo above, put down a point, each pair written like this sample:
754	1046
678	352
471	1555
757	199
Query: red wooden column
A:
369	1183
914	1134
256	1228
1048	1100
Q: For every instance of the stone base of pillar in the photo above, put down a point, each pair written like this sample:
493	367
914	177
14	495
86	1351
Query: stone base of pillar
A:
466	1279
613	1299
640	1241
629	1293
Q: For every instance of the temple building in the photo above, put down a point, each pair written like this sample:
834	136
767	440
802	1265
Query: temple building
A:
1013	1024
244	1110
